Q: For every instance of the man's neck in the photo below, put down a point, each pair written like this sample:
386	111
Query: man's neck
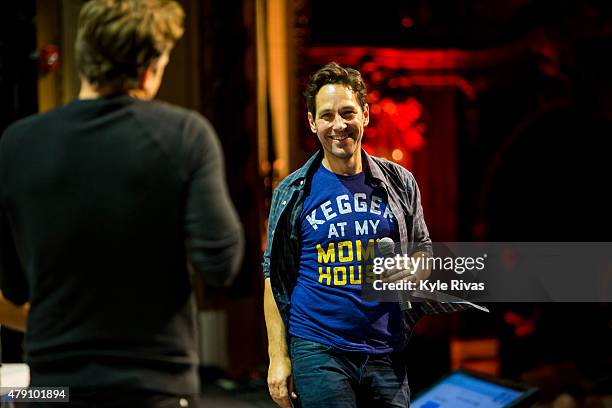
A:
89	91
343	167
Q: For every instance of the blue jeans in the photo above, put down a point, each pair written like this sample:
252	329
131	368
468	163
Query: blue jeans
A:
325	377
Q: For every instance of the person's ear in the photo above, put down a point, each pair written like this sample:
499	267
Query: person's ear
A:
146	76
312	123
366	114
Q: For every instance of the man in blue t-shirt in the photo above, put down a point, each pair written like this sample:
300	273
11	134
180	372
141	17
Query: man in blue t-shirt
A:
328	346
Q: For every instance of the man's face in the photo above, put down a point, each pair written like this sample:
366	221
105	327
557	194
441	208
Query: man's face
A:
339	121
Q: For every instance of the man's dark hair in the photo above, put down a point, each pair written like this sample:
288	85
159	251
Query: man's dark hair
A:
333	73
118	39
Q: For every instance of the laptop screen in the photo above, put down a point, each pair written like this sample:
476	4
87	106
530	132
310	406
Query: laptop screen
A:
464	390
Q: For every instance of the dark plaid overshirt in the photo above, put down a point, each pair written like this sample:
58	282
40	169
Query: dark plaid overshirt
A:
281	257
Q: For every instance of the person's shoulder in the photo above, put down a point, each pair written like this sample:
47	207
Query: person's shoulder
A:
164	110
288	180
33	120
24	126
389	167
17	128
193	127
191	117
294	176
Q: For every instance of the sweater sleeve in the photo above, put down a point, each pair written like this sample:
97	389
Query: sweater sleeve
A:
12	278
214	235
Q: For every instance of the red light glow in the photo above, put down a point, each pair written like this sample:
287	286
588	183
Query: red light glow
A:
407	22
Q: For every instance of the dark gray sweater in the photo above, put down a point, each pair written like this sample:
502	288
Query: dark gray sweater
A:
102	204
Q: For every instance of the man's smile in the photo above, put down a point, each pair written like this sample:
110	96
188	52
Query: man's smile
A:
340	138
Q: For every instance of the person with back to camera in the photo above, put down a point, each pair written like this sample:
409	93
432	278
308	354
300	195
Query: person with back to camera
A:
106	204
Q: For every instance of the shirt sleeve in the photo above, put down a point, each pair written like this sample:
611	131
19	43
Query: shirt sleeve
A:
13	283
270	235
214	235
422	241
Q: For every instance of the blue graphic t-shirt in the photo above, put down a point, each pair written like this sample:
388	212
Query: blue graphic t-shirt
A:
341	222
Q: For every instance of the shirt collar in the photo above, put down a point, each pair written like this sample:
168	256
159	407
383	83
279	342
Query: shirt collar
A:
374	174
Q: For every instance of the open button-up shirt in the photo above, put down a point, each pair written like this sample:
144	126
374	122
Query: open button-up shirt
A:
281	257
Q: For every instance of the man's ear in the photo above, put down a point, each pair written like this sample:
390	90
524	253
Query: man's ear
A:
146	75
366	114
311	122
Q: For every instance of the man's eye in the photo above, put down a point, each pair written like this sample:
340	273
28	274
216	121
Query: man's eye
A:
348	114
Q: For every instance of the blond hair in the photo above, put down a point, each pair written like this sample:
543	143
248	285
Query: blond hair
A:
118	39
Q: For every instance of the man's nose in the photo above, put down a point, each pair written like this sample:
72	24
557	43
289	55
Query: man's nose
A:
339	123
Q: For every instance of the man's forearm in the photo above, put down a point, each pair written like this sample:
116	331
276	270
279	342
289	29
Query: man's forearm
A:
277	341
280	381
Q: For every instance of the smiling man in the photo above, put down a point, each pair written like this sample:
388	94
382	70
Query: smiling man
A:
329	347
338	118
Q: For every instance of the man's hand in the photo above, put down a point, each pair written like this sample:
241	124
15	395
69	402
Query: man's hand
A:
396	275
415	271
12	315
280	382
